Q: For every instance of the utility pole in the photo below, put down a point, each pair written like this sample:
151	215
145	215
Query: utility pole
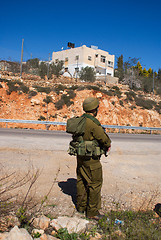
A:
21	59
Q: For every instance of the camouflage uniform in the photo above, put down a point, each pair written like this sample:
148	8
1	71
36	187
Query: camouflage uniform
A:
89	170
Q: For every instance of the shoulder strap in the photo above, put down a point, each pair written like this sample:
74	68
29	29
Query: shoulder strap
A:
95	120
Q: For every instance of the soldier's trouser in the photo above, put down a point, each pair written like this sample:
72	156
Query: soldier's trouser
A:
89	183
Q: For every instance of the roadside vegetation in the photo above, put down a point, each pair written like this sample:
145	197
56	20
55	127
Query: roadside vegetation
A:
116	224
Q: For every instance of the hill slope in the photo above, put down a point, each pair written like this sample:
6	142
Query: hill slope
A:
59	99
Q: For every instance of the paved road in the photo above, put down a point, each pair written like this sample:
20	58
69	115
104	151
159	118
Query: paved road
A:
131	171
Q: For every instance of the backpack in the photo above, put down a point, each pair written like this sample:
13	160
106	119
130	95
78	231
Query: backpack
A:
76	125
79	147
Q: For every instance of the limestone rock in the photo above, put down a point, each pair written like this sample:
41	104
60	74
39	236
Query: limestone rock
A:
97	236
7	222
34	231
35	102
3	236
47	237
74	224
18	234
41	222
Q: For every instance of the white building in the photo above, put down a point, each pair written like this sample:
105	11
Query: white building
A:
80	57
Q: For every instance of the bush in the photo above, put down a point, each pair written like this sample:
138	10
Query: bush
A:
137	225
59	104
130	96
24	89
158	107
32	94
47	90
87	74
59	88
48	99
15	86
74	87
121	103
12	87
41	118
65	100
95	88
81	88
56	68
147	104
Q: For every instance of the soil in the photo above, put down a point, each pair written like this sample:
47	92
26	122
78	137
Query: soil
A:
131	173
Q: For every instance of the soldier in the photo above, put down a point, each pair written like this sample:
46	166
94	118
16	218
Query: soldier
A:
89	168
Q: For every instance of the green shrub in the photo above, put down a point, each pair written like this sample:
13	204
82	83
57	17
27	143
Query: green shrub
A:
145	103
81	88
32	94
121	103
47	90
95	88
130	96
59	104
14	86
48	99
135	225
24	89
65	99
116	88
11	87
54	116
87	74
158	107
74	87
59	88
41	118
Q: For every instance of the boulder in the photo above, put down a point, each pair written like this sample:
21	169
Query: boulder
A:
73	224
41	222
18	234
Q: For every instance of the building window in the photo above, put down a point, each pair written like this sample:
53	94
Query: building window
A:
56	60
110	64
103	58
89	58
66	69
77	69
66	59
77	57
96	55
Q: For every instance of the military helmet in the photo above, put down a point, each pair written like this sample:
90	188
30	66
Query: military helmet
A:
90	104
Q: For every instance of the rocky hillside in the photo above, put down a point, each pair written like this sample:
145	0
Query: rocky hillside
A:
32	98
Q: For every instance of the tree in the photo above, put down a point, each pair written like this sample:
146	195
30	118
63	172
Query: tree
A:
130	63
42	69
120	69
33	63
147	84
159	75
87	74
139	69
158	82
56	68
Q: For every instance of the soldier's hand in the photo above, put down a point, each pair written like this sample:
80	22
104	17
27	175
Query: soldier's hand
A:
109	149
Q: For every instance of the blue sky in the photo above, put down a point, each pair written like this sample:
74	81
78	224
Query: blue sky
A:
131	28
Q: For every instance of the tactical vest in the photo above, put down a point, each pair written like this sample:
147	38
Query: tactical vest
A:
78	146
